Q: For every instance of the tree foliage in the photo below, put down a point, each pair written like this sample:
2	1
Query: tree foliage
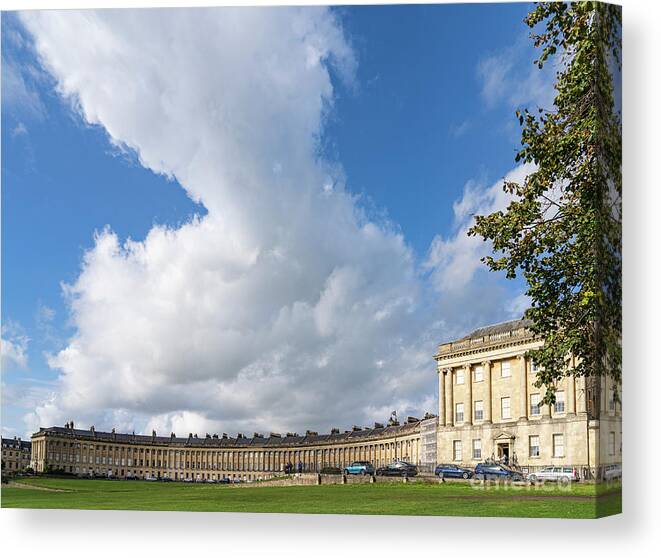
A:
562	232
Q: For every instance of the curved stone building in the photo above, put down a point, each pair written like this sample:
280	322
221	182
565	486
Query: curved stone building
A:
85	452
489	406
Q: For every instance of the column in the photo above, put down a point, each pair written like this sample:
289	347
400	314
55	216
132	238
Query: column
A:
581	396
441	397
468	413
486	366
571	395
523	387
449	404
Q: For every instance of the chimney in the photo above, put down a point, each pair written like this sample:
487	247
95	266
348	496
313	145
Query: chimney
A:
311	433
378	425
71	425
172	436
355	428
274	435
224	435
215	436
92	430
335	430
410	420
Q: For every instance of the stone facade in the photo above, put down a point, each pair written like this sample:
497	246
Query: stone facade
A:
15	455
488	407
85	452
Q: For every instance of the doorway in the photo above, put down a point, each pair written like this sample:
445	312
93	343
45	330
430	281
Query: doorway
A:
504	452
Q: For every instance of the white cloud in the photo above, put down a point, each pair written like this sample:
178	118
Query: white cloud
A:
459	130
284	307
19	130
509	76
454	261
14	347
18	94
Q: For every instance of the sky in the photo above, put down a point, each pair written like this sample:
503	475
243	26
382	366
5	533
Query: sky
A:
250	220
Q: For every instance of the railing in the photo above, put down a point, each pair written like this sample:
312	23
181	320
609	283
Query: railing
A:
485	340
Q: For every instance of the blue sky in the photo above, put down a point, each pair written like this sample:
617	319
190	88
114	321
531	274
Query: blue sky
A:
419	132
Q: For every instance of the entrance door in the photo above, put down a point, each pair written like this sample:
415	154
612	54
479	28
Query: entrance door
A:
504	451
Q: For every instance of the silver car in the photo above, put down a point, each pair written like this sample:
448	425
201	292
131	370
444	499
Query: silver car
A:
612	472
555	474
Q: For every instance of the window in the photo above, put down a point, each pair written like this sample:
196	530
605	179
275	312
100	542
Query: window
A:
477	449
460	376
611	400
505	407
479	410
479	374
558	445
456	446
459	413
611	443
559	401
505	370
533	445
534	404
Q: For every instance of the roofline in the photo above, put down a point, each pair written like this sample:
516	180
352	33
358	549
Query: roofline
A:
238	443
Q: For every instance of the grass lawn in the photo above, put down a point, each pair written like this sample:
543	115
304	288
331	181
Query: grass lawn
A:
580	501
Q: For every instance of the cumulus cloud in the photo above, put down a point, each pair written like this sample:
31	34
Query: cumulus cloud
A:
469	295
284	306
14	347
453	261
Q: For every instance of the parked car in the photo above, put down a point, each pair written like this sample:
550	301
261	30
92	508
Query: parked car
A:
398	469
556	474
452	472
224	480
187	479
150	479
359	468
489	471
612	472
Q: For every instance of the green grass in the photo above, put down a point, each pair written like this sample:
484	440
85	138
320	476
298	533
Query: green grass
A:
579	501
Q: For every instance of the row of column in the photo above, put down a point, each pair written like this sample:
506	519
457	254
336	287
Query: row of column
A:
446	383
239	460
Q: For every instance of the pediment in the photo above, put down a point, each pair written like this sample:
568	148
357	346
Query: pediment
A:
504	436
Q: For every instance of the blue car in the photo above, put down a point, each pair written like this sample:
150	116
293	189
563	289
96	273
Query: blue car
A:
359	468
452	472
489	471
